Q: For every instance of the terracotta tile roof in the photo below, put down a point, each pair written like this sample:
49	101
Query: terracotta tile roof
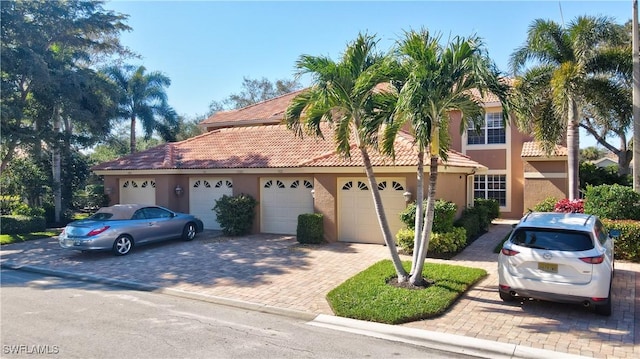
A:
271	110
272	146
532	149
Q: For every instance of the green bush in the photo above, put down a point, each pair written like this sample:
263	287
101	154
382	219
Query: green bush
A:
449	242
612	202
444	215
91	197
470	221
627	246
9	203
310	229
24	210
492	206
235	214
547	205
404	239
21	224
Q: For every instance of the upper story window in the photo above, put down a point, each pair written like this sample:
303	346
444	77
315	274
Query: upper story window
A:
491	132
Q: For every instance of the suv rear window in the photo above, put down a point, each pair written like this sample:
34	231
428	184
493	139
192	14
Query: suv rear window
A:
556	240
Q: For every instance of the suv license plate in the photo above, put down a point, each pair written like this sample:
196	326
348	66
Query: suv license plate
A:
548	267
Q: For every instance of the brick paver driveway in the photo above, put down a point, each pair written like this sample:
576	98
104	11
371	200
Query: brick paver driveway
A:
277	271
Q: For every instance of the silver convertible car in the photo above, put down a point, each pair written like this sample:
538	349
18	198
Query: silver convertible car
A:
122	226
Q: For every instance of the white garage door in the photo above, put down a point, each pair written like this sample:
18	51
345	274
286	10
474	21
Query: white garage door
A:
203	194
357	219
138	190
281	201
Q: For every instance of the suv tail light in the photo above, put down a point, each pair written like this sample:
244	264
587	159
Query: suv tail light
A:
593	260
509	252
97	231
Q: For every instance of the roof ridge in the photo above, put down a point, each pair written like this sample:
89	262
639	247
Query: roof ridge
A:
261	102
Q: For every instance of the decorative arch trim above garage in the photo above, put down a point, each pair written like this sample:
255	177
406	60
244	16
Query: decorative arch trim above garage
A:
138	190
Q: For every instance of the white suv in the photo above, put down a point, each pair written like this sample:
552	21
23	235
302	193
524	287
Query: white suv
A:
560	257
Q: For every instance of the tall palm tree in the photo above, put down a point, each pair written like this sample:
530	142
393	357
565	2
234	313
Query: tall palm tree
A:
344	94
435	79
549	94
143	97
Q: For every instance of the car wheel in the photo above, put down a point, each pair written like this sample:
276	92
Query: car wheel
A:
122	245
189	232
605	309
506	297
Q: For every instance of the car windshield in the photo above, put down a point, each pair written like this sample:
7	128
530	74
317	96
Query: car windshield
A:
549	239
101	216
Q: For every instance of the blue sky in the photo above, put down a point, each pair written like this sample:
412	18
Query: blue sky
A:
207	47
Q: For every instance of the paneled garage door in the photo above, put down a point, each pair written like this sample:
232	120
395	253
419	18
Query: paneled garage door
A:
203	194
281	201
357	219
138	190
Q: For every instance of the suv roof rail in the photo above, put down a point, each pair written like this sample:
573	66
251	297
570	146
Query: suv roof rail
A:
587	220
526	216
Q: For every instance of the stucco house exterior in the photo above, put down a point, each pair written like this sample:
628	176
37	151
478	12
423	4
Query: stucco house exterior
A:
249	151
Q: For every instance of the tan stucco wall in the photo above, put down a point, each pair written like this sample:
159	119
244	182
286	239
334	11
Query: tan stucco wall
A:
546	166
538	190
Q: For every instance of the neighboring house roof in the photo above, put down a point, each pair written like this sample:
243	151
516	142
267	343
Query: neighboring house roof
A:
271	146
605	162
533	149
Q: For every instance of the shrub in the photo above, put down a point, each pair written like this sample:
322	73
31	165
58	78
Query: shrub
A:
470	221
492	206
404	238
547	205
569	206
612	202
440	243
443	218
24	210
627	246
310	229
9	203
235	214
21	224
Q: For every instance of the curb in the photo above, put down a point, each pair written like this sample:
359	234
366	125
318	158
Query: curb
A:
451	343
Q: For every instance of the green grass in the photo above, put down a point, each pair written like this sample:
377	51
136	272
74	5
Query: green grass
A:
367	296
498	247
15	238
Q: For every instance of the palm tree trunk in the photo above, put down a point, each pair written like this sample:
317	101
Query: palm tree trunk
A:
382	218
416	276
56	167
132	147
417	237
573	148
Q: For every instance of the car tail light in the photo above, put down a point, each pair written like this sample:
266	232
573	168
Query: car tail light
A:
509	252
593	260
97	231
599	299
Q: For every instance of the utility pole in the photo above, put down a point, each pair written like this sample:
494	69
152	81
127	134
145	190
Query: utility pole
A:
636	98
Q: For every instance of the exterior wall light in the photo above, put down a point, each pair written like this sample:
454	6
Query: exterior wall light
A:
407	196
313	193
178	190
108	191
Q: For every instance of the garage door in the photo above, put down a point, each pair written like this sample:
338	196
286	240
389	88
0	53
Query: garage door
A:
281	201
203	194
357	219
138	190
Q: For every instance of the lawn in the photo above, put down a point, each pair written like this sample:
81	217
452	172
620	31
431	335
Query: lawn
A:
14	238
367	296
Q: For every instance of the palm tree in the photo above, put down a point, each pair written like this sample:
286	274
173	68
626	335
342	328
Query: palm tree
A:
143	97
435	80
550	94
344	94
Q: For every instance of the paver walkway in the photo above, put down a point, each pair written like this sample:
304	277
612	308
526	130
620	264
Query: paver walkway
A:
277	271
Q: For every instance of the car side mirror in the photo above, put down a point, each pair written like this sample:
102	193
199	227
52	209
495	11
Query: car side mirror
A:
614	233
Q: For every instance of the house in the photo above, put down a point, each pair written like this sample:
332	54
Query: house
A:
249	151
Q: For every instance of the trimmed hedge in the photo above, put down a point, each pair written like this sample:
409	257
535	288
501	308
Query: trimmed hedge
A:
627	246
310	229
439	243
444	214
235	214
19	224
612	202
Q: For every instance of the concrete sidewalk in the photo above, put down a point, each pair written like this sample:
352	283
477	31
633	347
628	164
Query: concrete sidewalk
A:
276	274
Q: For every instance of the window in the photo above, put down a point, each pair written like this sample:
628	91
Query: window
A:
491	187
491	132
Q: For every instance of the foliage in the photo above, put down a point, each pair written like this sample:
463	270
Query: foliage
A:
592	175
235	214
443	217
471	222
368	296
9	203
547	205
450	242
254	91
21	224
25	179
22	237
492	206
612	202
569	206
91	197
24	210
310	229
627	246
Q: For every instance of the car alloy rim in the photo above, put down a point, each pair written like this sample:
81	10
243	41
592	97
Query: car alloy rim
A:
192	232
123	245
